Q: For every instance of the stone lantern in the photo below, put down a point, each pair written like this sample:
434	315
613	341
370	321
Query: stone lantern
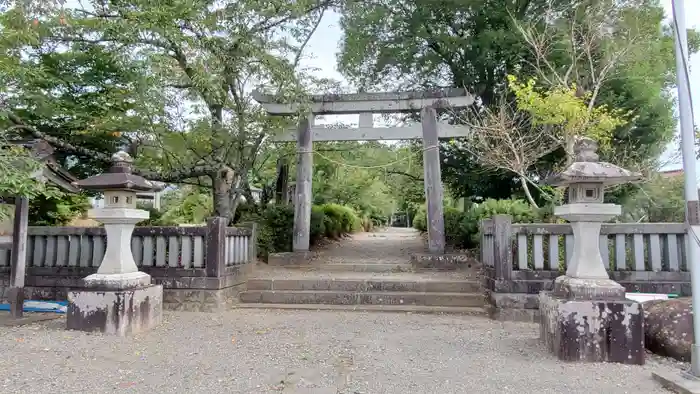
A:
586	317
118	299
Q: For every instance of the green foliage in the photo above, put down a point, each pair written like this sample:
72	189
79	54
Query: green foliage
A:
660	199
58	210
167	80
420	221
18	175
354	174
402	44
276	224
191	207
339	220
462	228
155	216
566	111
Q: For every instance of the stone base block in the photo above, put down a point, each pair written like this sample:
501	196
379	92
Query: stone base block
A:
115	312
289	258
677	382
202	300
443	262
129	280
514	307
592	330
516	315
588	289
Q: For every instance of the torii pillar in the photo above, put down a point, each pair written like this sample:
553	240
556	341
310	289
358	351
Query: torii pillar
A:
432	181
303	190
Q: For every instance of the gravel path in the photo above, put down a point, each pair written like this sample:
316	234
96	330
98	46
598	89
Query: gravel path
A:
258	351
392	245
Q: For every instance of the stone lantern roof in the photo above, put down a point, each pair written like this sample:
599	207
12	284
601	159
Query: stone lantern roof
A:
587	168
119	177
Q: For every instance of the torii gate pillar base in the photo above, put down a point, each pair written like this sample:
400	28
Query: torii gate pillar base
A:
290	258
444	262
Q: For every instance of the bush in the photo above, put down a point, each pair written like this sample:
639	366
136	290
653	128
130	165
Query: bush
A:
462	228
520	210
318	225
276	225
279	223
420	221
340	220
453	226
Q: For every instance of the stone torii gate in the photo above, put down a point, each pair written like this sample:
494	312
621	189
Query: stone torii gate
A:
367	104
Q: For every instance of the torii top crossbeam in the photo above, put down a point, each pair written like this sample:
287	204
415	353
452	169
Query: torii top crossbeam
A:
354	103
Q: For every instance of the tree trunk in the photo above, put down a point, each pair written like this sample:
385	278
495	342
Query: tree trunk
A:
569	147
526	189
281	185
221	191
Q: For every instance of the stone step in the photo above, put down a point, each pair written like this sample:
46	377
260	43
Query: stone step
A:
472	271
354	298
365	267
366	285
461	310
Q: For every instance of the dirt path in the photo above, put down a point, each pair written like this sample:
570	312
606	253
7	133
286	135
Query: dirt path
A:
393	245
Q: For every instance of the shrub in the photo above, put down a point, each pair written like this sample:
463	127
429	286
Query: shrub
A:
420	221
462	228
520	210
276	225
318	225
279	223
340	220
453	226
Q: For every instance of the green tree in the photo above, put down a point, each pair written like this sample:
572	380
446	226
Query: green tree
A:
193	118
660	199
402	44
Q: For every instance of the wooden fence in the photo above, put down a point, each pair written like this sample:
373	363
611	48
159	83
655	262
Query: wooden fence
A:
198	251
526	258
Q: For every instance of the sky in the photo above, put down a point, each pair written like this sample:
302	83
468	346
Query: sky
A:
324	45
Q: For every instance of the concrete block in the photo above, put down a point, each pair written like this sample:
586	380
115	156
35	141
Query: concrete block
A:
592	330
115	312
677	382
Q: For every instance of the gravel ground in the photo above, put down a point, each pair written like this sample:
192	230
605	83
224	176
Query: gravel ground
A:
305	352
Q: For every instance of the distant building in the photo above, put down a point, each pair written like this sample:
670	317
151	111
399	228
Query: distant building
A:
153	197
671	173
51	172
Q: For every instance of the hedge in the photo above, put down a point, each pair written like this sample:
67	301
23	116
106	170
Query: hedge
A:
276	223
462	228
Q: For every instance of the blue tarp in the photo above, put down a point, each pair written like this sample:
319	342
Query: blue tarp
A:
40	306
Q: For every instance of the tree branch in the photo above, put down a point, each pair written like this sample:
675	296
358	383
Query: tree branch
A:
414	177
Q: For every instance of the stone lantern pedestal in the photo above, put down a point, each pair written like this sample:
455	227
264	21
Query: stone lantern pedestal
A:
586	317
118	299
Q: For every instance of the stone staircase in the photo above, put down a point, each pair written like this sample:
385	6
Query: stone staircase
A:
365	287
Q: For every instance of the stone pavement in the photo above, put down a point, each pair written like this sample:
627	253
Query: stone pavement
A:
305	352
392	245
